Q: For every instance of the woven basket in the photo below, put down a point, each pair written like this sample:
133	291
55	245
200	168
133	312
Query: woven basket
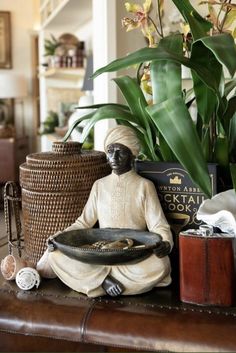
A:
55	187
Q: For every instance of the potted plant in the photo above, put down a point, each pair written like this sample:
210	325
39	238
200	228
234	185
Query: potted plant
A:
165	127
50	45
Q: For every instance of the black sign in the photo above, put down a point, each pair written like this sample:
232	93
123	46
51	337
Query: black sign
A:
179	196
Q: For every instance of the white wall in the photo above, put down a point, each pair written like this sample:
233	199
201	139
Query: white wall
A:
104	49
24	21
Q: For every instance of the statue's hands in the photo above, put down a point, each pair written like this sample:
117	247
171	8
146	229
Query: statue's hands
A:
162	249
115	290
112	286
50	243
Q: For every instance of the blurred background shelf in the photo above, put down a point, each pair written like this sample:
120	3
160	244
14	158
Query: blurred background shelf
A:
73	74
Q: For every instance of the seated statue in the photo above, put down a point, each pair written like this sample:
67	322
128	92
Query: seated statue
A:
122	199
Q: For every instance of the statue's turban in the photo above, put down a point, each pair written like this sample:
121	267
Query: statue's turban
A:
124	135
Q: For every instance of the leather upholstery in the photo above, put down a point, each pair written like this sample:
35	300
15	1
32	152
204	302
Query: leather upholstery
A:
22	343
60	319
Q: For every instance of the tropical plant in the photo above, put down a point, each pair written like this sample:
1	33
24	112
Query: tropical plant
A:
165	127
50	45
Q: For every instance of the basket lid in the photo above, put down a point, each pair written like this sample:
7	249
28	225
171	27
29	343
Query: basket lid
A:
63	154
68	148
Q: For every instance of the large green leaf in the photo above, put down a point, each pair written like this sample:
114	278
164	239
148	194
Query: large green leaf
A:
145	150
221	45
137	104
90	115
161	53
233	174
124	117
198	25
206	99
76	123
221	152
224	49
107	112
150	136
206	143
166	82
141	56
228	116
232	136
229	86
133	95
166	74
212	52
182	138
166	152
95	106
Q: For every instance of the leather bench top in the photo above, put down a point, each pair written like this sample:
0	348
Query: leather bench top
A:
152	321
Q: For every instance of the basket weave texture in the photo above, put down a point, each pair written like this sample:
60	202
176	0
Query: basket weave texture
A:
55	187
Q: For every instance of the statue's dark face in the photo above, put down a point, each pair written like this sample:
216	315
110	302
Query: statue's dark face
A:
120	158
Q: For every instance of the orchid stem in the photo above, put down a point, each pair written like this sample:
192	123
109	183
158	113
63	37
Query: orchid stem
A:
159	17
138	73
221	25
224	19
157	30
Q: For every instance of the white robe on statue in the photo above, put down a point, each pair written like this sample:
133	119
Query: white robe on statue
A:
118	201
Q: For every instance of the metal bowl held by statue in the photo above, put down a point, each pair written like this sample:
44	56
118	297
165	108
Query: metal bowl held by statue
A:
102	246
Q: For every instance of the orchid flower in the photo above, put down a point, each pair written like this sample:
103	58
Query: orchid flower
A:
146	81
141	20
224	19
187	37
